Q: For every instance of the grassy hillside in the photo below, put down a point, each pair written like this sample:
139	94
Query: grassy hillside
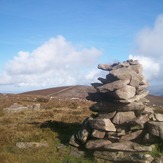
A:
54	123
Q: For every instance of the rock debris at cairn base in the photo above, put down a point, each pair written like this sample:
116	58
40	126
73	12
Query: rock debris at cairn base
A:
123	127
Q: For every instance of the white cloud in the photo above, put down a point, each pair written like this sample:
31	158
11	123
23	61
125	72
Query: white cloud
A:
56	62
150	67
149	50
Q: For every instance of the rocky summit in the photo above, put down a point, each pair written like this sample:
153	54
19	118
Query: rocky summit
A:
123	127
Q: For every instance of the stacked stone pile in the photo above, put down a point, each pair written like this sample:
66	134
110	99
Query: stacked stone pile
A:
124	128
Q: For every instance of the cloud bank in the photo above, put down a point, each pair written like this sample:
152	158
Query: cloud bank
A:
57	62
149	50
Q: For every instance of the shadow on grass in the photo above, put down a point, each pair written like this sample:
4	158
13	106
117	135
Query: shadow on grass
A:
64	130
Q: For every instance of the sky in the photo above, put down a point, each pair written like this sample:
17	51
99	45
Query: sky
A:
50	43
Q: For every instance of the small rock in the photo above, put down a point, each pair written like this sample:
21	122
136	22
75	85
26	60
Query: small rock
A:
102	124
124	93
122	117
82	135
159	117
155	128
25	145
73	141
127	146
127	157
112	86
105	67
131	136
158	160
15	108
97	144
98	134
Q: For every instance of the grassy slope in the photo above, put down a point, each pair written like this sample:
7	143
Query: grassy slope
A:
54	123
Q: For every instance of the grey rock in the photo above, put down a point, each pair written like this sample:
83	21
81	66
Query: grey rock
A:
127	146
98	134
73	141
147	110
158	160
135	82
132	135
112	86
102	124
36	106
113	138
125	73
122	117
142	119
159	117
127	157
108	107
25	145
133	99
125	93
105	67
15	108
155	128
121	132
137	68
82	135
97	144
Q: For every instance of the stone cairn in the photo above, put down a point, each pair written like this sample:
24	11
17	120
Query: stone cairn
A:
124	127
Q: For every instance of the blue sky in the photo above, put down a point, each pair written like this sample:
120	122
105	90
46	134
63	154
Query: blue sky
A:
92	32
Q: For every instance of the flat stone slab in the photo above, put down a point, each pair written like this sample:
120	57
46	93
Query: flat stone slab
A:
25	145
109	107
131	136
128	157
97	144
127	146
134	99
112	86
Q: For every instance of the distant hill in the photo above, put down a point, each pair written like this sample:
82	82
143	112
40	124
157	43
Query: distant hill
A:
76	91
84	92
